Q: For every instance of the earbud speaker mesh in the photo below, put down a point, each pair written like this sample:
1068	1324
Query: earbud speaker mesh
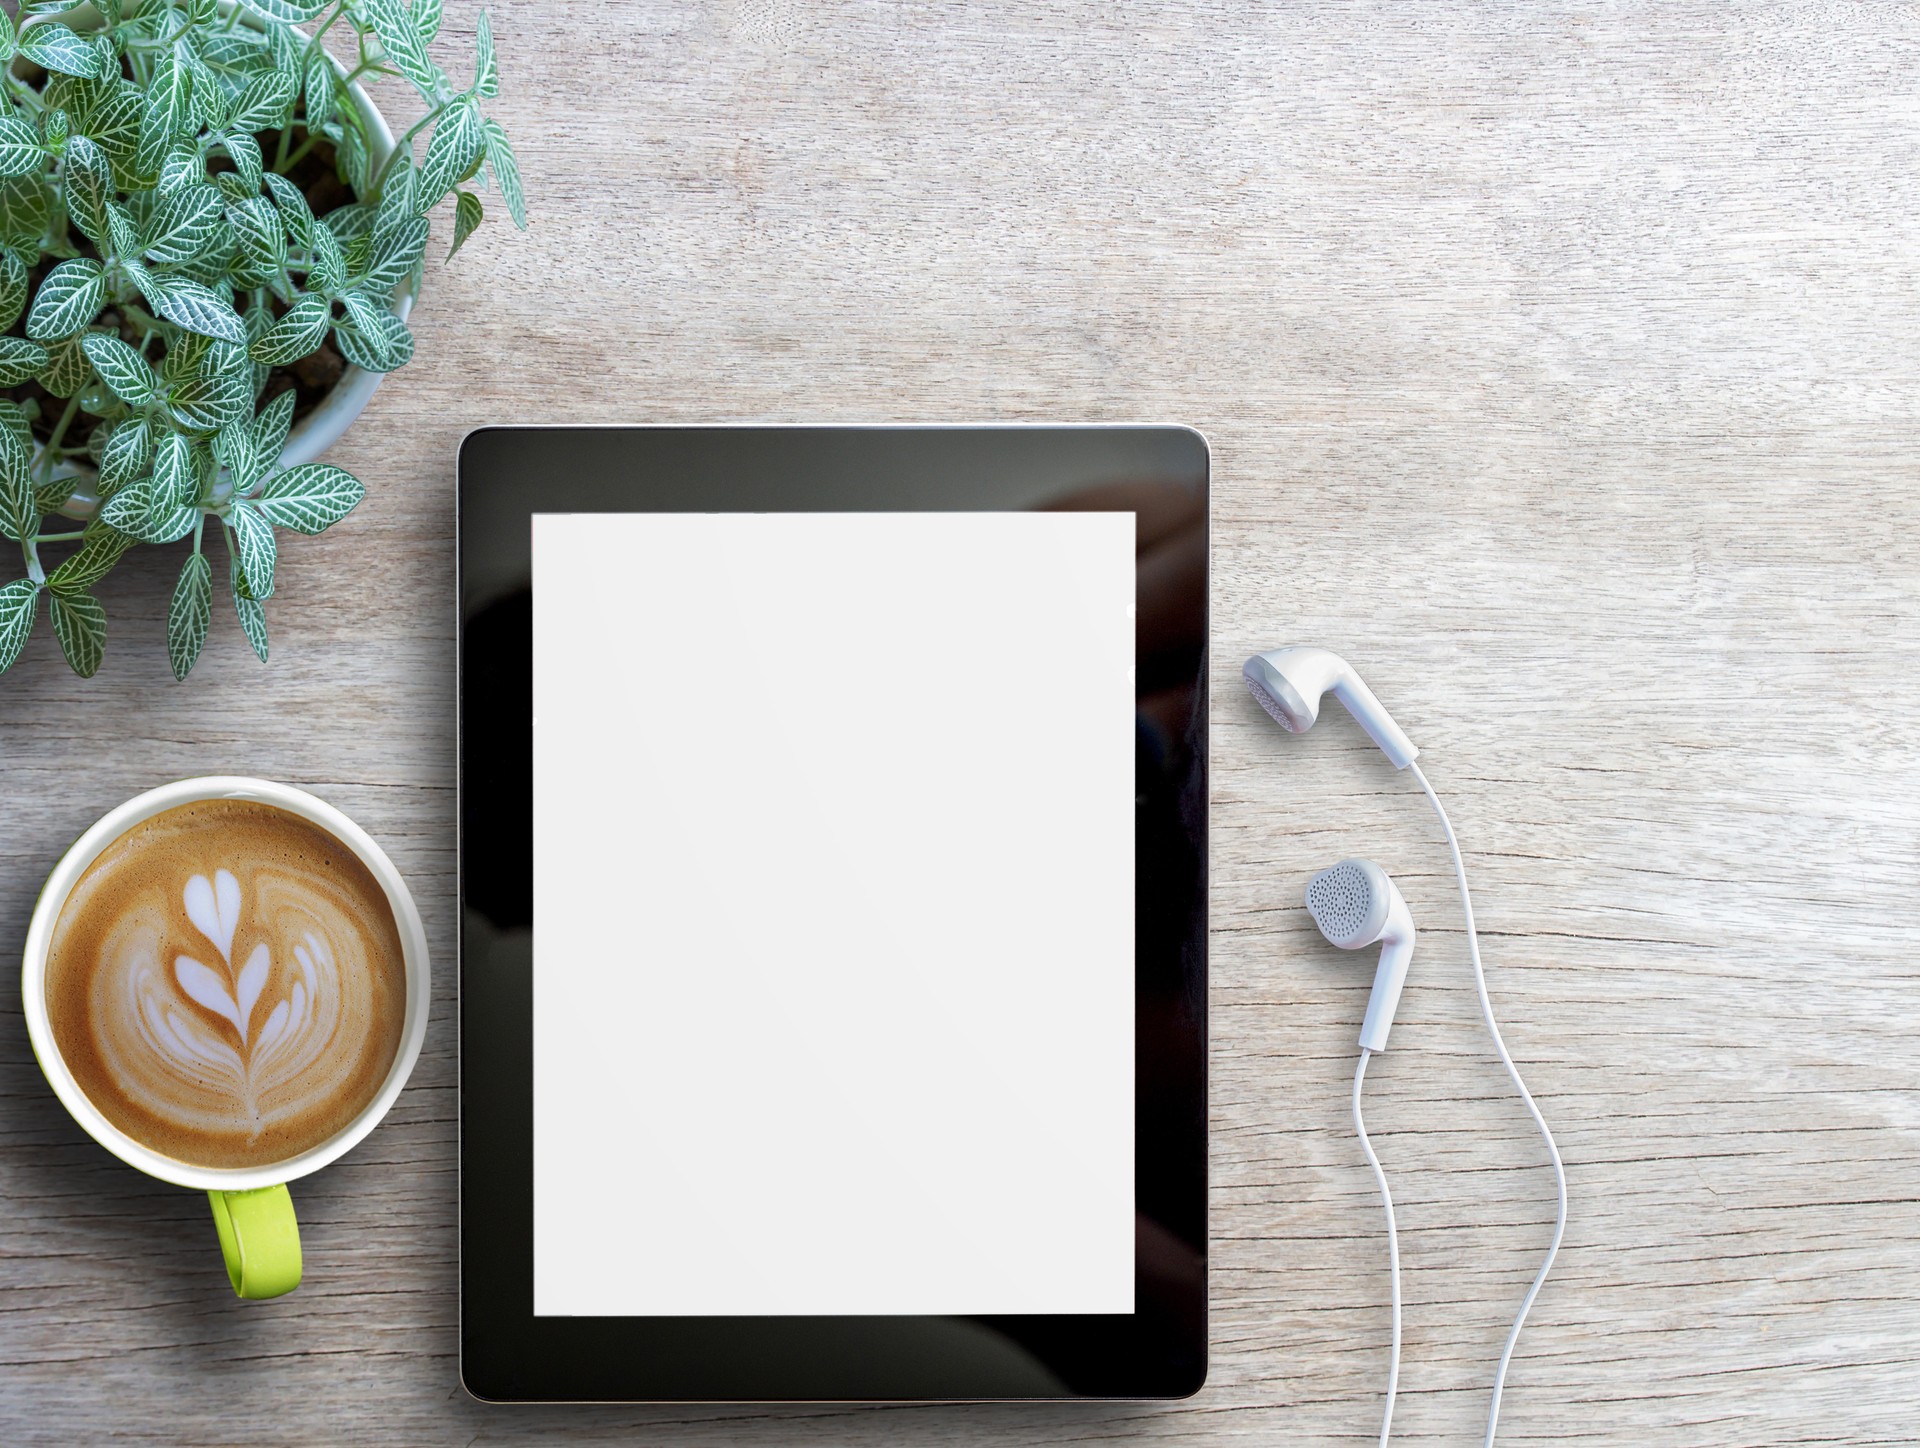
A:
1340	898
1272	705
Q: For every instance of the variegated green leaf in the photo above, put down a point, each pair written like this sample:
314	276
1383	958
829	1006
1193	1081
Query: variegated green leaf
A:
294	12
114	126
19	509
253	614
51	46
19	360
401	42
253	534
164	525
190	305
363	316
122	235
8	38
352	222
265	104
394	255
70	297
170	95
155	140
188	614
350	156
458	139
399	196
13	288
94	559
88	177
259	320
209	102
391	352
426	19
13	421
297	334
181	167
67	369
506	173
185	223
270	427
193	355
54	493
328	272
80	623
233	449
293	209
486	71
209	403
467	216
20	148
286	48
127	456
126	511
175	480
198	356
260	240
248	164
17	602
309	498
25	204
121	368
322	86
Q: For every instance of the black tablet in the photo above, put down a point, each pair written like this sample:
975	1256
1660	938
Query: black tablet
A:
833	852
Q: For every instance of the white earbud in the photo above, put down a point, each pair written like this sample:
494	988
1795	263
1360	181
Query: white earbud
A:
1288	684
1356	904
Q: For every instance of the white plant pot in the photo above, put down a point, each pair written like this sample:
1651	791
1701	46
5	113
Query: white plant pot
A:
323	427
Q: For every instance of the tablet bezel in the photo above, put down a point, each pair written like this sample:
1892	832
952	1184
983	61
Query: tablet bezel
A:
504	476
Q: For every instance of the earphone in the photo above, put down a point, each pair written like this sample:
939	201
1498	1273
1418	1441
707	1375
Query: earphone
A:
1355	904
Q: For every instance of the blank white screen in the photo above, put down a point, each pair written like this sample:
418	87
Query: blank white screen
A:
833	894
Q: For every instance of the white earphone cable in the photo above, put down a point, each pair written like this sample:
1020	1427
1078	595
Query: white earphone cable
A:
1553	1151
1393	1247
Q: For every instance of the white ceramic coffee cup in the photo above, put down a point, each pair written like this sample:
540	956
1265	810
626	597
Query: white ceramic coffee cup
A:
245	1199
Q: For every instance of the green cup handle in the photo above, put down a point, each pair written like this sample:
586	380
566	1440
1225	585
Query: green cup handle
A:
260	1240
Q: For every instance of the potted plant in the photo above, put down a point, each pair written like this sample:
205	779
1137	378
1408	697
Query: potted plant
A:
209	244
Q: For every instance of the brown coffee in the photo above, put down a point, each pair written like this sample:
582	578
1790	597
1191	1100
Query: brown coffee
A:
226	984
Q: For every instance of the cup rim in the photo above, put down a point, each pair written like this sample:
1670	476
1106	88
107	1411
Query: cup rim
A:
53	898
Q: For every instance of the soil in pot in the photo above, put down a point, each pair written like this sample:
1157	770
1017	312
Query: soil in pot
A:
310	379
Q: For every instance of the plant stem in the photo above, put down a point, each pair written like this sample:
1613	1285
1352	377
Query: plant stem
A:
58	537
60	429
148	324
325	26
313	137
315	50
25	93
405	144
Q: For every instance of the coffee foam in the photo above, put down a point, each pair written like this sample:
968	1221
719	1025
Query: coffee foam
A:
226	984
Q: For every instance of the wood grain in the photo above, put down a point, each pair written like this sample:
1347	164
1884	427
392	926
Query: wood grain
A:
1561	366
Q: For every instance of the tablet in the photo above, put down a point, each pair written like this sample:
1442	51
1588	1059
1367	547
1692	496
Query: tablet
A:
833	853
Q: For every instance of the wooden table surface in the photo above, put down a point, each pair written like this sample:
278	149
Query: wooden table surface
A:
1562	368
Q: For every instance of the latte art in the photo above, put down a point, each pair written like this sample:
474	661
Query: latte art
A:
227	987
